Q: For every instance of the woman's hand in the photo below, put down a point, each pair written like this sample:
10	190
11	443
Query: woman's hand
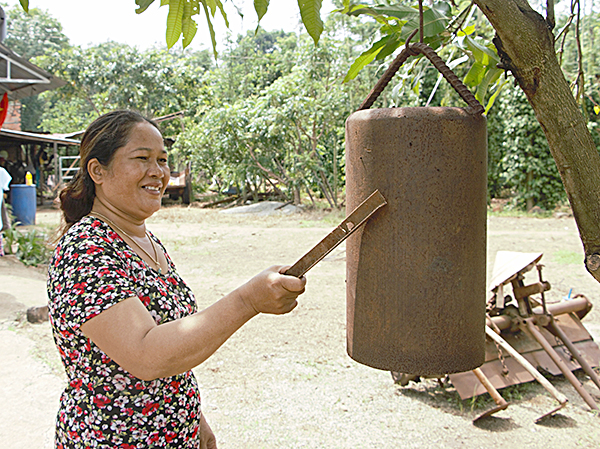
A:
272	292
207	437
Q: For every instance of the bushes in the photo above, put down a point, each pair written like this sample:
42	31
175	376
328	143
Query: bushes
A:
30	246
520	165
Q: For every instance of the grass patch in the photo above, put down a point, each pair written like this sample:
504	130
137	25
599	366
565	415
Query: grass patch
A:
567	258
445	393
513	393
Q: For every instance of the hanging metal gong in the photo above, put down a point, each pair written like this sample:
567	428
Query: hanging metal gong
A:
416	274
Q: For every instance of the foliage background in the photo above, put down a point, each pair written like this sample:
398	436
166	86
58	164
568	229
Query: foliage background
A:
266	118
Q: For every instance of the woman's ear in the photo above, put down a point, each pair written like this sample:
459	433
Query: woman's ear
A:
96	171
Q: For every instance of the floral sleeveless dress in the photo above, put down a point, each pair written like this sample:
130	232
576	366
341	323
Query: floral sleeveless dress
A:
103	406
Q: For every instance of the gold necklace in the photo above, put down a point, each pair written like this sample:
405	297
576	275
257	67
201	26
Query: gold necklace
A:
114	225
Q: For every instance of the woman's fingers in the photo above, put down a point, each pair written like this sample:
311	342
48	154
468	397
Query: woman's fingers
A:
291	283
273	292
296	288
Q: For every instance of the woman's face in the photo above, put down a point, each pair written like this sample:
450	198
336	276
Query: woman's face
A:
136	178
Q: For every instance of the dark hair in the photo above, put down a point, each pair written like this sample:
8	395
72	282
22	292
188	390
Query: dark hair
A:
101	140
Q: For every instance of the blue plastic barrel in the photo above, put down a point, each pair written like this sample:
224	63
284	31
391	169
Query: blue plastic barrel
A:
23	201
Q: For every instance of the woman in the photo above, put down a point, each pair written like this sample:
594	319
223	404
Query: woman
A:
124	322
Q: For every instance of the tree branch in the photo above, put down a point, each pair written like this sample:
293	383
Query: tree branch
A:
281	178
550	14
526	46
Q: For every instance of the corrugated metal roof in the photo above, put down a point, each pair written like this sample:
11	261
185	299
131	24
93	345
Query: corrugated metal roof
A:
19	78
33	137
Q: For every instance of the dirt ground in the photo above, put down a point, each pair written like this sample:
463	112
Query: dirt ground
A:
287	382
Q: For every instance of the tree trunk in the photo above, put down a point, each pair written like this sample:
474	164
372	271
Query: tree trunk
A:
297	197
526	47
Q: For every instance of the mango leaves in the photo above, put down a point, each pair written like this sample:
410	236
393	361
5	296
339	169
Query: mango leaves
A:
261	6
180	21
397	24
310	11
484	73
142	5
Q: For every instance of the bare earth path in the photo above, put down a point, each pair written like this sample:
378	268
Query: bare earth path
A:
286	382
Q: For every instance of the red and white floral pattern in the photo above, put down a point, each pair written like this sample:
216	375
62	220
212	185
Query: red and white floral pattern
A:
103	406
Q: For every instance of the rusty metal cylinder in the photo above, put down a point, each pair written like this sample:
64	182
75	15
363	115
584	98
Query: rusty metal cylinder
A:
416	272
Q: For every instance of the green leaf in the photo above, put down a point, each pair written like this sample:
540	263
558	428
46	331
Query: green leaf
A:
212	5
492	99
481	53
475	75
491	76
24	5
389	48
189	27
223	13
310	11
189	31
467	31
416	87
174	21
435	21
398	12
261	6
142	5
365	58
211	30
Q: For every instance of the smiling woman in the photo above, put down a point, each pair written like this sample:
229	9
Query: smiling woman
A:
125	323
132	185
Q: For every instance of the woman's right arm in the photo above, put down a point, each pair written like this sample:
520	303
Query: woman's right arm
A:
128	334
